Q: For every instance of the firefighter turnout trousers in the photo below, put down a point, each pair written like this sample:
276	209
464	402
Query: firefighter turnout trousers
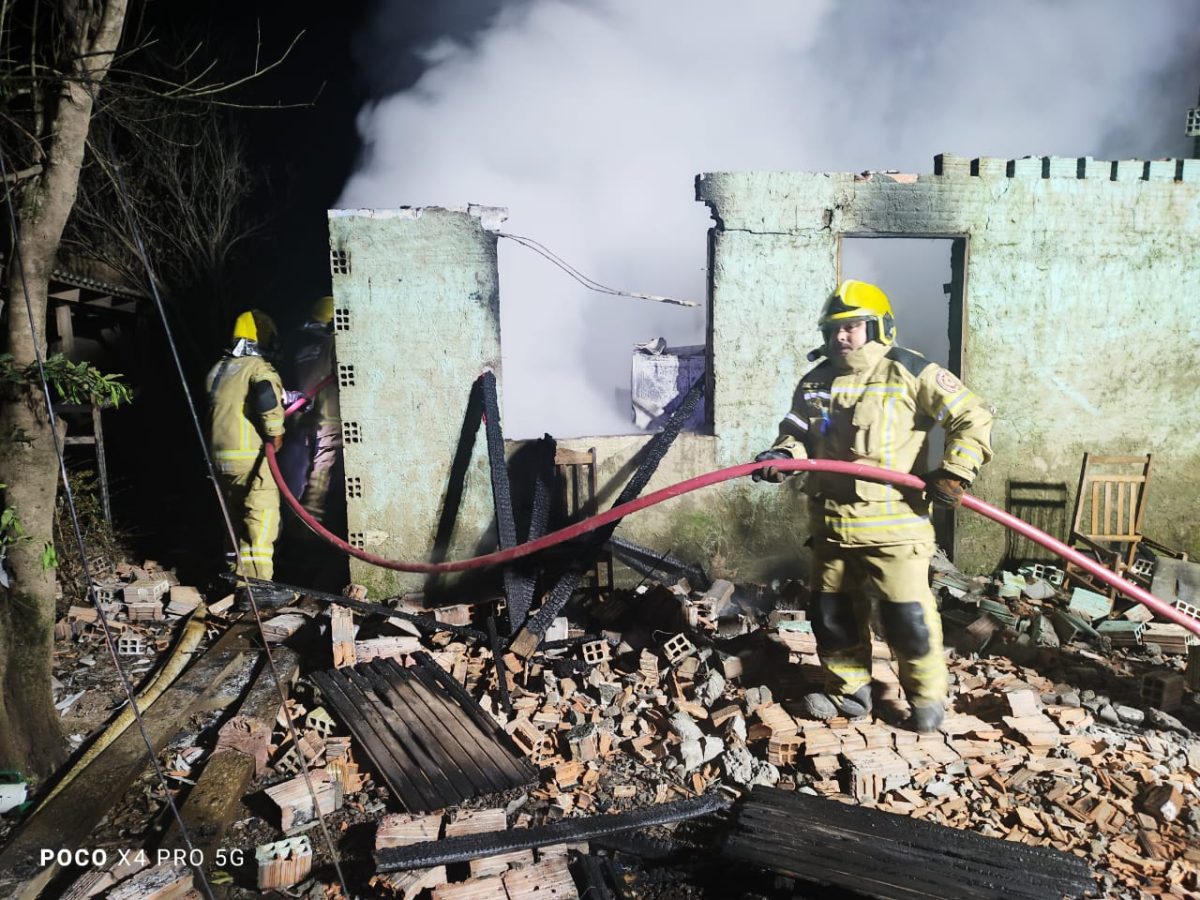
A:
844	579
251	488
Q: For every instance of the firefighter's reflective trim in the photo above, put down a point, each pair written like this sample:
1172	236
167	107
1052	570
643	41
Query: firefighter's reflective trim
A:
887	447
797	421
875	388
845	672
963	450
951	402
876	521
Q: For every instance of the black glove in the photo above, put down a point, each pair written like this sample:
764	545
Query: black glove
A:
943	489
770	473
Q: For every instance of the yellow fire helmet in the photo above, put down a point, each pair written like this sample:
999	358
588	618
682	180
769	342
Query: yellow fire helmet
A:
255	325
322	311
859	300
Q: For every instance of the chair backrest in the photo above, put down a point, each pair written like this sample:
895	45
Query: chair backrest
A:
1043	504
1111	499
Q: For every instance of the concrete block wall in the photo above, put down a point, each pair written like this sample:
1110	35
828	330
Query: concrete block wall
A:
417	319
1078	328
1079	271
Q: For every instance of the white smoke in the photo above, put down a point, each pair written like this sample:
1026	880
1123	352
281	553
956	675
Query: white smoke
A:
590	121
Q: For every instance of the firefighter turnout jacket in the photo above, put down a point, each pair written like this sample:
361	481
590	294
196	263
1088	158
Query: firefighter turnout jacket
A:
240	390
246	409
876	407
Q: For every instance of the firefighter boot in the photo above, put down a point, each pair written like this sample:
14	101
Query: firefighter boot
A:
826	706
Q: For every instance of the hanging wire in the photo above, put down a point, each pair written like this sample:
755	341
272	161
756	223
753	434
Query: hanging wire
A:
81	545
114	172
589	283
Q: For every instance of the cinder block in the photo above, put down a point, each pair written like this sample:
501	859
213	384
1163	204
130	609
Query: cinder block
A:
1060	166
1188	171
145	611
1192	126
947	164
678	648
1051	574
320	721
145	590
108	591
1144	567
1128	169
989	166
595	652
283	863
130	645
1159	170
1025	167
1163	690
1188	609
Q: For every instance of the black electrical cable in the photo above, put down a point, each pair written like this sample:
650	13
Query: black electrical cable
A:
82	547
143	257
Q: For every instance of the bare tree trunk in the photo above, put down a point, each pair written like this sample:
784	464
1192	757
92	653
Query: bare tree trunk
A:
30	738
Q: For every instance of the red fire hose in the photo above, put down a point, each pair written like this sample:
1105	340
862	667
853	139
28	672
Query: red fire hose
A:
305	398
855	470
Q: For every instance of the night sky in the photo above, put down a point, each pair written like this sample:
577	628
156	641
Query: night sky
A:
305	155
301	155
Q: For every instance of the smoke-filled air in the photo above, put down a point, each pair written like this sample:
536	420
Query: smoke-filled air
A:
589	121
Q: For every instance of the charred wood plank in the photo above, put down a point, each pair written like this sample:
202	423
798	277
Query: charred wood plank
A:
211	805
476	846
651	564
430	750
413	734
67	819
498	664
506	525
504	765
433	674
426	624
438	732
885	855
527	640
409	784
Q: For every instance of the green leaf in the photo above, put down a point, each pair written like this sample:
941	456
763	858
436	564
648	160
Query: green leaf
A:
49	557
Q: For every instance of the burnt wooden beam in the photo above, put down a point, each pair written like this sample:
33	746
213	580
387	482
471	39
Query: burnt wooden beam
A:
68	818
427	624
887	855
476	846
211	805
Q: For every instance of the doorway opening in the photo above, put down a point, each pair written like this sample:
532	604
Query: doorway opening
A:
925	279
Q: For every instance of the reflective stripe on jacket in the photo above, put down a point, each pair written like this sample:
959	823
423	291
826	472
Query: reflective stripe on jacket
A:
236	427
876	407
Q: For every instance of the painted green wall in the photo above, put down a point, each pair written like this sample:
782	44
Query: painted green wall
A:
1080	275
417	316
1081	329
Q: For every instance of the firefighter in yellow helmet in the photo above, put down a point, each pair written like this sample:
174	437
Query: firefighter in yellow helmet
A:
245	398
873	402
321	422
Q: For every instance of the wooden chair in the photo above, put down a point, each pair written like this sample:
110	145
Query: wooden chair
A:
577	480
1043	504
1107	525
